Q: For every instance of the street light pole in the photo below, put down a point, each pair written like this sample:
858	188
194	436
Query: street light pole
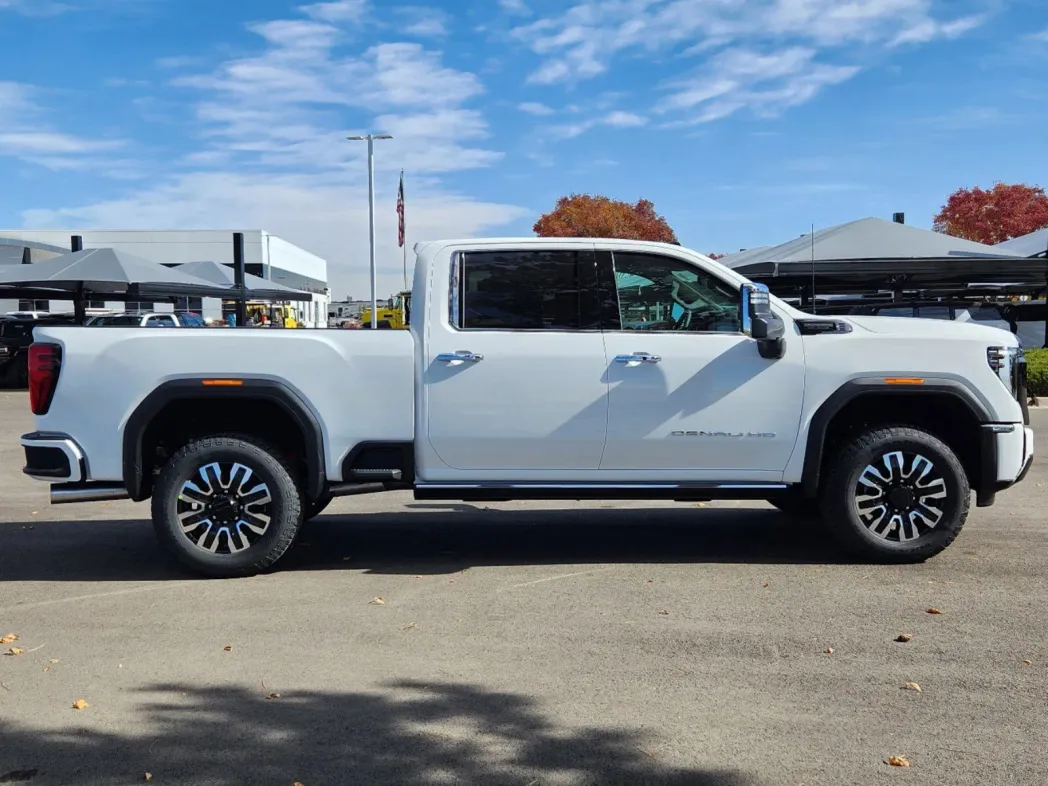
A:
371	218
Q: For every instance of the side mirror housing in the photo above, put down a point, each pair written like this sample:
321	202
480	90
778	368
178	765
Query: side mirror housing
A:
760	322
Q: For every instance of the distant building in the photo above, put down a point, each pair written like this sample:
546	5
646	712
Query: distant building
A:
265	255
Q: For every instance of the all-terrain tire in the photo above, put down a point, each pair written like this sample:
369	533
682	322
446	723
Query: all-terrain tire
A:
901	469
267	466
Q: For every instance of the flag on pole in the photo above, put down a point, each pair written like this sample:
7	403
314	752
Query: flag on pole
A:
400	210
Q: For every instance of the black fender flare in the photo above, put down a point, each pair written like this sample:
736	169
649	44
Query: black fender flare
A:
857	388
193	388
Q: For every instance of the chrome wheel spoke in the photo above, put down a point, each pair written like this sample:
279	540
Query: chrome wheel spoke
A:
224	508
900	496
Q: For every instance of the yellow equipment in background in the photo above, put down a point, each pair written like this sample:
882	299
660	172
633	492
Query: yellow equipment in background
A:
396	311
278	316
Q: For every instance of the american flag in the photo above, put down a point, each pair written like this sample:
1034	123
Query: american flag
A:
400	210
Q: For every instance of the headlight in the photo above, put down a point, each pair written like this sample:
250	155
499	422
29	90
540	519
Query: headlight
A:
1009	363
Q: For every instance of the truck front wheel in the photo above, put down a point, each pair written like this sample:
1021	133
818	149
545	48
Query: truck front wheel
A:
227	506
895	494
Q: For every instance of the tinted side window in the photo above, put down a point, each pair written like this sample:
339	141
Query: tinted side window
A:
521	290
662	293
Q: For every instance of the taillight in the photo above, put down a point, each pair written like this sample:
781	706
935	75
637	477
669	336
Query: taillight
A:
45	363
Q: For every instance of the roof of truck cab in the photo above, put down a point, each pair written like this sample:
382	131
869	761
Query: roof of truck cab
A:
546	241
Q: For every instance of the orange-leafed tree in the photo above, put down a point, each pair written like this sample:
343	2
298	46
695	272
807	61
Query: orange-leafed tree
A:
582	215
993	215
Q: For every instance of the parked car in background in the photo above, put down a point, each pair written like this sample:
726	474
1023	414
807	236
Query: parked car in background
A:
149	319
16	334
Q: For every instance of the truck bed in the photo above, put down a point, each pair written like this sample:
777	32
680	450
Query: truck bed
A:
107	372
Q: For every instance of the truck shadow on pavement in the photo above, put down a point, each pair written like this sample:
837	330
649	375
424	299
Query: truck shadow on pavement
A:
407	733
437	539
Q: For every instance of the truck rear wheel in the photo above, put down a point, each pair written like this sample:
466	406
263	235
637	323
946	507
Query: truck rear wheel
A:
895	494
227	506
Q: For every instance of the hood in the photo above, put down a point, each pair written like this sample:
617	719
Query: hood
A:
935	328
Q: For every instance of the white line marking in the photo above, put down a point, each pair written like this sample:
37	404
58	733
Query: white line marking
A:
553	578
113	593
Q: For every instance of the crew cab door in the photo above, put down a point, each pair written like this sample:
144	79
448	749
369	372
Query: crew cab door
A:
689	392
513	367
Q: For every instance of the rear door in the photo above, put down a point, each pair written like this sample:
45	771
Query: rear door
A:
514	384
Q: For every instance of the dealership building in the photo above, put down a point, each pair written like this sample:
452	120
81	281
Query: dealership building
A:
265	255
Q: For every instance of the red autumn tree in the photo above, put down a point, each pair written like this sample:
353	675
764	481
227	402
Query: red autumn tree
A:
713	256
582	215
995	215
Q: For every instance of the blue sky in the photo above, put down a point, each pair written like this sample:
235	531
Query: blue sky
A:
745	121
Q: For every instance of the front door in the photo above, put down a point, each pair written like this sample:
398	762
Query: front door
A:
689	392
514	373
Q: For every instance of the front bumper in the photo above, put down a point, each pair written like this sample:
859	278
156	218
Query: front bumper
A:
1007	455
54	458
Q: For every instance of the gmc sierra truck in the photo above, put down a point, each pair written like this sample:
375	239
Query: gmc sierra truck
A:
539	369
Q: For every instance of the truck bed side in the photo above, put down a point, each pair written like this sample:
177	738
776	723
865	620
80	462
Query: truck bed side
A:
361	381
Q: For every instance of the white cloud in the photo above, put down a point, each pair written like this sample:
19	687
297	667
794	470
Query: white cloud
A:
518	7
813	43
423	22
272	151
535	108
337	12
26	135
617	119
767	84
318	213
624	120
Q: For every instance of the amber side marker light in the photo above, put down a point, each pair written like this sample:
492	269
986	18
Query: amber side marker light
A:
903	381
222	383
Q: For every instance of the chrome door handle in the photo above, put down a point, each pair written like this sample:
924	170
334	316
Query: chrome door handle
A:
638	357
462	356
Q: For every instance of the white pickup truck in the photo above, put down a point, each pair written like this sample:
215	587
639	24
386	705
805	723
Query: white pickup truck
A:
539	369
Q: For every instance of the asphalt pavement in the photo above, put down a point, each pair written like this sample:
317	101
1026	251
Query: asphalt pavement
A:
520	644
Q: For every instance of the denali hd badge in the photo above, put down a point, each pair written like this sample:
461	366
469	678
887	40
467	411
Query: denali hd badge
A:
736	434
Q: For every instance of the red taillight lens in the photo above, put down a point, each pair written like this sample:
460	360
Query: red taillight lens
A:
45	363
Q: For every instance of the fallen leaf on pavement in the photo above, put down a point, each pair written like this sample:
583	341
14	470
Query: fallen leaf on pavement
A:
934	610
911	686
419	577
828	650
664	613
898	761
228	648
35	513
55	660
47	669
296	783
377	602
766	585
904	637
1028	662
272	696
149	776
16	651
410	625
10	638
80	704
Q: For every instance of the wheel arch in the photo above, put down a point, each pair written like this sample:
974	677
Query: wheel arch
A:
881	396
137	466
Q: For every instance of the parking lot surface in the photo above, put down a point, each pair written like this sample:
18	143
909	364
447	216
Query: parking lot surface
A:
520	644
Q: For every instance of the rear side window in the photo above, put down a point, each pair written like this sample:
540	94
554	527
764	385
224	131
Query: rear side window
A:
525	290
